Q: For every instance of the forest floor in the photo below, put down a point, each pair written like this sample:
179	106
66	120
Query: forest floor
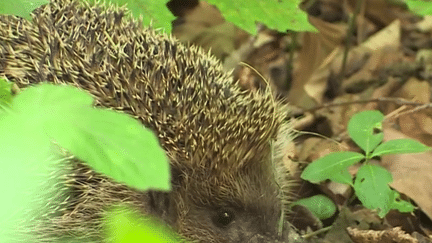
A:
386	65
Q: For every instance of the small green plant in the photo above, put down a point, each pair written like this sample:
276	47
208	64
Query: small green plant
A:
371	183
420	7
321	206
5	93
280	15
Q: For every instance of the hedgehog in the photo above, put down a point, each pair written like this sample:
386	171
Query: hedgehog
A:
225	145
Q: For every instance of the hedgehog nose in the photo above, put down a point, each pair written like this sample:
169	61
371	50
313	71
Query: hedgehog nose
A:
265	239
268	238
288	235
257	239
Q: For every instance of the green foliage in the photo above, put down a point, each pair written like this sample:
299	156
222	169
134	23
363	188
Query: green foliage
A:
26	166
153	12
21	8
113	143
123	225
371	184
5	92
333	166
320	205
420	7
398	146
363	129
280	15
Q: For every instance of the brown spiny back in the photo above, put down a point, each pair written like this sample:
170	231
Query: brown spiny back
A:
219	138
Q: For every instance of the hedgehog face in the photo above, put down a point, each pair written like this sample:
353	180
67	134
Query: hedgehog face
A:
210	211
207	204
228	179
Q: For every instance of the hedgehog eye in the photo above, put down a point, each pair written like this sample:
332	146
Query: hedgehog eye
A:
223	218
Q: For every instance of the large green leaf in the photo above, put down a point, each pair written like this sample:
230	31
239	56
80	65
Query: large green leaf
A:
21	8
110	142
280	15
28	184
152	12
64	114
123	225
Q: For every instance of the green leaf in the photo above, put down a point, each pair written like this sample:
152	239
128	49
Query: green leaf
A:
420	7
110	142
27	164
399	204
21	8
280	15
343	177
116	145
45	102
362	129
123	225
152	12
320	205
399	146
5	92
333	166
372	189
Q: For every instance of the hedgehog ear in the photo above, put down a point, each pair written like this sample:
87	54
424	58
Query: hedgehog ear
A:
176	178
161	203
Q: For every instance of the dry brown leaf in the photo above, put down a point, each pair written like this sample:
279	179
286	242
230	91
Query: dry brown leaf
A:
389	36
316	47
338	192
395	235
381	12
315	73
425	25
415	90
366	218
338	232
411	173
314	148
366	77
340	115
382	49
386	90
419	124
424	58
267	57
205	26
